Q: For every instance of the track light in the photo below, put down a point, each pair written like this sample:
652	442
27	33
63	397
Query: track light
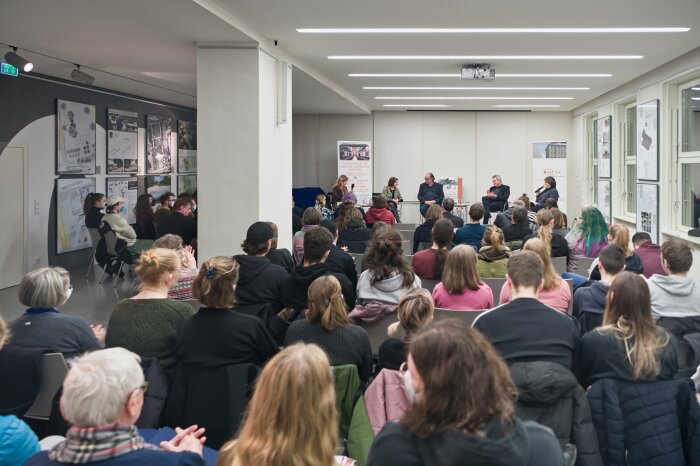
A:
80	76
18	62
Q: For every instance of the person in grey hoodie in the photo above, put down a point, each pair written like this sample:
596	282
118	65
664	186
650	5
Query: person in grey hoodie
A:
675	295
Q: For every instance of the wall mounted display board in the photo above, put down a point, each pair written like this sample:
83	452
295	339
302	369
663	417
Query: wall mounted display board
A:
71	232
126	188
648	210
648	141
605	199
158	144
355	162
122	141
186	147
158	185
186	184
603	146
549	159
451	187
76	152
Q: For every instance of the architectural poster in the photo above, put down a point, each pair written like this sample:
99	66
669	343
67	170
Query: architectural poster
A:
648	210
647	141
71	232
186	147
122	141
158	144
127	189
76	152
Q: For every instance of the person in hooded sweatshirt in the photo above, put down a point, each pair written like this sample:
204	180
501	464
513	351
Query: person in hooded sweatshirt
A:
675	295
462	408
379	212
649	252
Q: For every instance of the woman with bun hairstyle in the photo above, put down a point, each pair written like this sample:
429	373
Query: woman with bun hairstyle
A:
461	287
148	323
493	255
556	244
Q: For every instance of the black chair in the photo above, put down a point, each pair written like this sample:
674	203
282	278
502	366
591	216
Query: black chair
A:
117	251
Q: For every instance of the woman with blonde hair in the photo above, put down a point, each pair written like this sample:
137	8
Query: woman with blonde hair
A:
291	419
415	311
340	189
560	223
555	292
148	323
556	244
493	255
629	346
327	325
217	335
619	234
461	287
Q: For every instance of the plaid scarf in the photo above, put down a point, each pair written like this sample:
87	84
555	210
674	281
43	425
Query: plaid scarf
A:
93	444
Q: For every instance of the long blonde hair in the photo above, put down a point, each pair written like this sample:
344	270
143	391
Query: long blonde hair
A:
291	419
544	217
621	235
415	309
327	304
551	279
340	184
460	270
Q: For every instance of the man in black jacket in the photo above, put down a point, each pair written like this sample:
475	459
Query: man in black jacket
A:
448	205
179	222
496	197
429	193
519	227
338	260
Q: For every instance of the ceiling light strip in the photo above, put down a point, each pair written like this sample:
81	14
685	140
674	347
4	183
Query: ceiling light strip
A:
525	106
469	98
485	57
611	30
498	75
418	105
486	88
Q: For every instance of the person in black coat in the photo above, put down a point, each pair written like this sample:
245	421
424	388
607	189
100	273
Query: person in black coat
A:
430	193
353	234
557	243
546	191
424	232
496	197
448	205
339	261
519	227
179	222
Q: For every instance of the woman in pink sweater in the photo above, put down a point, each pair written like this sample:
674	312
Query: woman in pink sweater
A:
461	288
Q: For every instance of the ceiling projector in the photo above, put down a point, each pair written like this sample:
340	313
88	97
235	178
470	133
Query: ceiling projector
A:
484	72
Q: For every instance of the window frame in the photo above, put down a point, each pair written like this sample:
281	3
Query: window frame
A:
627	157
682	158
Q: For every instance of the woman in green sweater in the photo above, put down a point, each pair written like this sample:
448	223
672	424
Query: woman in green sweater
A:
393	195
493	255
148	323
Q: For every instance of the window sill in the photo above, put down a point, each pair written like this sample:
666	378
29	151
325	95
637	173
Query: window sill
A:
626	218
683	236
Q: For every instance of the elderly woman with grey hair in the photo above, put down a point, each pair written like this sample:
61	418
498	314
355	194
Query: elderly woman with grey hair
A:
42	326
103	395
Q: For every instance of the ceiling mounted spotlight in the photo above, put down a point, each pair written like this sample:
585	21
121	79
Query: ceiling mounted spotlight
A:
18	62
82	77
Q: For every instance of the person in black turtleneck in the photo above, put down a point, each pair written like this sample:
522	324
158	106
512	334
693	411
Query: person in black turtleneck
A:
92	208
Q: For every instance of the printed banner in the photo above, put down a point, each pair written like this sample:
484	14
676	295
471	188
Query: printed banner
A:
355	162
549	159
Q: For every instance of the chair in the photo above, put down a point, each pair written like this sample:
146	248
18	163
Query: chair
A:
496	284
53	370
377	331
95	239
406	227
117	255
559	264
407	234
407	246
423	245
584	266
468	316
428	284
358	261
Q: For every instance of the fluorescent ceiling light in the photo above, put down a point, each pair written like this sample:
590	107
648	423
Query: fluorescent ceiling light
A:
417	105
498	75
695	98
470	98
485	57
695	88
491	30
524	106
487	88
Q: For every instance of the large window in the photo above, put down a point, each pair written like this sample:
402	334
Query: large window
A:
689	155
629	160
591	138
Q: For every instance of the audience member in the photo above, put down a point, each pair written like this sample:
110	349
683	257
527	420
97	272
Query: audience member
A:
122	230
42	326
180	221
429	193
524	329
620	235
216	335
629	346
292	417
473	232
463	408
461	287
353	234
327	325
674	295
92	209
339	190
505	218
339	261
277	256
531	216
650	254
496	197
311	219
545	192
493	256
415	311
164	207
297	211
429	263
423	235
182	289
590	236
297	224
149	322
518	227
448	206
320	205
556	244
559	222
379	212
393	195
103	395
144	217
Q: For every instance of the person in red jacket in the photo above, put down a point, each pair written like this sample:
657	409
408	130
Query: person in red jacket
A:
650	254
379	212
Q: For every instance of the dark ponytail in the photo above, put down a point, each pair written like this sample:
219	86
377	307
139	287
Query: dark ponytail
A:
443	232
90	201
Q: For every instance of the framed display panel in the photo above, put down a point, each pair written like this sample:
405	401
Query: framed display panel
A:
127	189
648	210
158	144
186	184
186	147
71	232
603	146
157	185
122	141
76	148
648	141
605	199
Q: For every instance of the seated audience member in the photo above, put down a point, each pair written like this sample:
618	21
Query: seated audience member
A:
121	227
182	289
448	206
144	217
352	198
429	193
259	280
556	244
353	234
505	218
103	395
493	256
320	205
620	235
415	311
423	235
592	299
674	295
42	326
379	212
463	408
149	322
339	261
531	215
327	325
555	291
519	226
461	287
296	390
180	222
164	207
590	236
629	346
277	256
294	288
524	329
496	197
297	224
393	196
298	211
311	219
216	335
546	192
650	254
339	190
473	232
429	263
559	222
92	208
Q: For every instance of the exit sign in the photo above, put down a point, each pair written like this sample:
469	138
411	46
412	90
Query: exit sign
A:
8	69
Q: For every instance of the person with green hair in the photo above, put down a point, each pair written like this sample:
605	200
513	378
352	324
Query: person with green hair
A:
590	236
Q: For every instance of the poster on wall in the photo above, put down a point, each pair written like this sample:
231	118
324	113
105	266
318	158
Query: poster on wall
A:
603	146
156	185
549	159
127	189
355	162
76	148
451	187
122	141
186	184
648	210
158	142
648	141
71	232
186	147
605	199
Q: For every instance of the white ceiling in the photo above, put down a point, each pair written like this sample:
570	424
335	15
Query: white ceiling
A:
152	43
